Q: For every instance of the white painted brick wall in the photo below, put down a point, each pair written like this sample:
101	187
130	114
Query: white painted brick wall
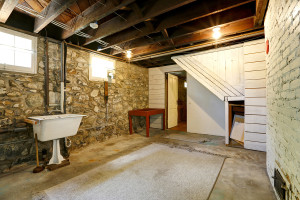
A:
282	29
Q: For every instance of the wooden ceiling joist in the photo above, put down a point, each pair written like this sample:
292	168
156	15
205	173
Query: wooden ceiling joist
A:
177	17
261	7
94	13
217	19
150	10
226	29
186	31
6	8
53	10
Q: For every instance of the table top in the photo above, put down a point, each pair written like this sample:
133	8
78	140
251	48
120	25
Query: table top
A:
147	111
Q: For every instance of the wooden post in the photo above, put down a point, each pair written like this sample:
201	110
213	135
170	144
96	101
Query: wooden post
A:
130	124
147	124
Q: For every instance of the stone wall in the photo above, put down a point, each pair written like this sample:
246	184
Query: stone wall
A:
283	92
130	91
22	95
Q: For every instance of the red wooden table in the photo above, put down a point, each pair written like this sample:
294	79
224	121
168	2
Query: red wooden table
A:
147	112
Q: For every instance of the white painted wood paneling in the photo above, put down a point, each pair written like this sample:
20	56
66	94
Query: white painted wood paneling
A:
254	137
259	146
254	66
259	92
255	119
254	84
255	128
207	77
255	95
256	101
255	110
227	63
254	75
157	91
255	57
255	48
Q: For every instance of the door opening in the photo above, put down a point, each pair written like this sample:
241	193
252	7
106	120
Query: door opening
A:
176	100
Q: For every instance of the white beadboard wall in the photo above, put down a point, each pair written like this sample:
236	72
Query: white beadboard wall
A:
255	95
157	91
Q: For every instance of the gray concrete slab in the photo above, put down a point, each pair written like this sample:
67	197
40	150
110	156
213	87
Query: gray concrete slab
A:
243	175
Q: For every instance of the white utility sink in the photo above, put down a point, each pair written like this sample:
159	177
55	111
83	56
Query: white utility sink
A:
53	127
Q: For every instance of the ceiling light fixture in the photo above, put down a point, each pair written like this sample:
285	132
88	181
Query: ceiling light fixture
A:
99	48
128	54
216	33
94	25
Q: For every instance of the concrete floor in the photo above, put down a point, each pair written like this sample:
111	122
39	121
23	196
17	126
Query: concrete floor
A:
243	176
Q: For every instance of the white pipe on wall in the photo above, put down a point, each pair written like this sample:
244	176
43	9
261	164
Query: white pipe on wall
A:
62	95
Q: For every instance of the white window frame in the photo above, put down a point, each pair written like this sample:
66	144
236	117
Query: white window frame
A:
14	68
93	78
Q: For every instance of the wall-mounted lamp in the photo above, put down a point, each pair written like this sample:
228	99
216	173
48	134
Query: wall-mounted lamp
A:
185	84
216	33
128	54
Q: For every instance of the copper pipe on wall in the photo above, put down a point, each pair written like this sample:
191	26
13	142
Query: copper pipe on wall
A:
46	63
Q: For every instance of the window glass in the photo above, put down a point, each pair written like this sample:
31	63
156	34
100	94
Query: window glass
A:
6	39
99	67
17	51
23	59
23	43
6	56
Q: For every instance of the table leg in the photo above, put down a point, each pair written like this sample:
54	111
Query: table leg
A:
130	124
147	124
164	121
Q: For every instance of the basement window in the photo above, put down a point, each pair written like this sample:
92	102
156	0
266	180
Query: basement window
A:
17	51
100	68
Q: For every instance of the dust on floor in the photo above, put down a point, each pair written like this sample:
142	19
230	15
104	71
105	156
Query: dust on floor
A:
243	175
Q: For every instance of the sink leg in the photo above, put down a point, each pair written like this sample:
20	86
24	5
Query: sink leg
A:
56	156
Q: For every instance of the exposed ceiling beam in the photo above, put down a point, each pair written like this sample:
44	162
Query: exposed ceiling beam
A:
200	25
166	36
151	9
35	5
227	16
176	18
140	14
211	43
261	7
94	13
53	10
6	8
226	29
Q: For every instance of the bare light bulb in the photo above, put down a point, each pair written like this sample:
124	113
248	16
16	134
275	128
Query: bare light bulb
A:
216	33
128	54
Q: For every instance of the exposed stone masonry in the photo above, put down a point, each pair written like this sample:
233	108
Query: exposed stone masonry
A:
22	95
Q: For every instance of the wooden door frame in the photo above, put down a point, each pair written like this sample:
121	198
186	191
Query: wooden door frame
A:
166	97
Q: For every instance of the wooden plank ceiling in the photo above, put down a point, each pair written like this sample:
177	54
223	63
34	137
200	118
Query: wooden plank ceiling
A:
142	26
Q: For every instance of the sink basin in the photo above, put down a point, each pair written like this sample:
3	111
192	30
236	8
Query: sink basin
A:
53	127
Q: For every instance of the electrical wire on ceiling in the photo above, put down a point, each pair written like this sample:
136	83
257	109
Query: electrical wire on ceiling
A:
78	33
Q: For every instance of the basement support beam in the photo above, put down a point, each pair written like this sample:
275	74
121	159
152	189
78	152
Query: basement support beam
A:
53	10
6	8
227	29
199	46
143	46
94	13
166	36
261	8
177	17
152	9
